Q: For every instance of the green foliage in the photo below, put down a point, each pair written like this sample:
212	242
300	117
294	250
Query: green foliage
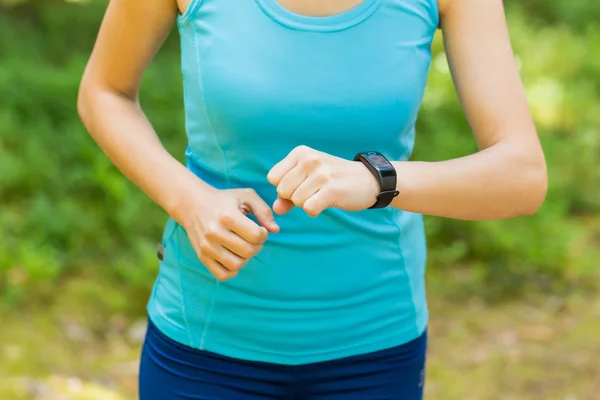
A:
575	13
65	209
555	247
68	213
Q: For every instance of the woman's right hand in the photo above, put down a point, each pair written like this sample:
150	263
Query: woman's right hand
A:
220	231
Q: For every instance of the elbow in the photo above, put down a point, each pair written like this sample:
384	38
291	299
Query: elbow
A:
536	194
94	97
83	102
534	187
88	98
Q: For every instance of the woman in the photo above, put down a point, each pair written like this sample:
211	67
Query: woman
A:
305	109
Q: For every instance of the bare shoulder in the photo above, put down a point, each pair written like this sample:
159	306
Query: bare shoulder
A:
183	5
130	34
443	6
446	6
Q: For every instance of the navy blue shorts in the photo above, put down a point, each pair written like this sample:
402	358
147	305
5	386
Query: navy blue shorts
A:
172	371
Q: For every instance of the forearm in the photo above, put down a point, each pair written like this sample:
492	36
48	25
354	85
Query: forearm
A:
498	182
121	129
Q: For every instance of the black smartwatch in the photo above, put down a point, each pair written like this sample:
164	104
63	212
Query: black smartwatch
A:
385	173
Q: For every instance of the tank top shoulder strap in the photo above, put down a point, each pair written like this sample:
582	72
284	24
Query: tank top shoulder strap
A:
427	10
191	11
432	6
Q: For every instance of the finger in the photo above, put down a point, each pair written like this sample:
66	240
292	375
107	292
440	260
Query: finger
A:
217	234
244	227
284	166
317	203
193	235
307	189
237	245
217	269
280	169
282	206
226	258
260	209
291	181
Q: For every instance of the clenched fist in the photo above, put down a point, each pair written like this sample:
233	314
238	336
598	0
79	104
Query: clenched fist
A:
314	181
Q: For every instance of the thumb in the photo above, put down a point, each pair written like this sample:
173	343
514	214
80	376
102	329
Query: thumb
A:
260	210
282	206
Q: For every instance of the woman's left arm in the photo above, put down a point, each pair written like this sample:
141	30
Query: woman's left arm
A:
505	178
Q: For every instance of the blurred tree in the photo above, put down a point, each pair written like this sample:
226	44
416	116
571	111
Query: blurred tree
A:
67	212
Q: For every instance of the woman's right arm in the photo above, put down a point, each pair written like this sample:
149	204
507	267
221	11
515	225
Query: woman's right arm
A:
131	33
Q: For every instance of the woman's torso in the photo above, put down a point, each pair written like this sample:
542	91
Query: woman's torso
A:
260	80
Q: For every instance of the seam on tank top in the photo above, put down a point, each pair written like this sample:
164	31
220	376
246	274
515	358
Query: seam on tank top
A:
302	27
178	241
214	287
217	283
205	107
211	306
395	213
435	13
183	305
190	12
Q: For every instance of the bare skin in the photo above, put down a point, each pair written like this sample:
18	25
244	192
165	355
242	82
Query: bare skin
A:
319	8
506	178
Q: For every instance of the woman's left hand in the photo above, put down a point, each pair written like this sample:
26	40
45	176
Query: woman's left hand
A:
314	181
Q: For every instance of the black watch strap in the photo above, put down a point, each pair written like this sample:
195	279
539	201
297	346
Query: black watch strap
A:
385	173
385	198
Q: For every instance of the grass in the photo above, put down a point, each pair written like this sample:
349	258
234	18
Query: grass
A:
543	347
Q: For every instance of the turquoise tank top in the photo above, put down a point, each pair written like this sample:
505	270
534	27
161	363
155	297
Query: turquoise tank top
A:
260	80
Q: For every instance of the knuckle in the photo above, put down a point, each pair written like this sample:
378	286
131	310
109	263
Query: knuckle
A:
224	275
245	251
311	211
256	249
321	178
324	174
254	237
283	192
301	149
205	249
249	191
224	218
221	275
297	200
312	161
251	250
238	264
204	246
257	236
212	233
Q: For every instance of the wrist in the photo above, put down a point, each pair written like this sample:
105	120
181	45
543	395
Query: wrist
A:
367	183
402	180
188	196
384	173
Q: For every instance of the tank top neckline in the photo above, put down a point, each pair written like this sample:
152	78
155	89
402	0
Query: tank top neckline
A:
335	22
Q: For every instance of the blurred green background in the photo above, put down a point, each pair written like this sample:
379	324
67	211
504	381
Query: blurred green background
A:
515	304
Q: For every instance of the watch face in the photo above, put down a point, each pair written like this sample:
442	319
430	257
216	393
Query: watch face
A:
379	161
